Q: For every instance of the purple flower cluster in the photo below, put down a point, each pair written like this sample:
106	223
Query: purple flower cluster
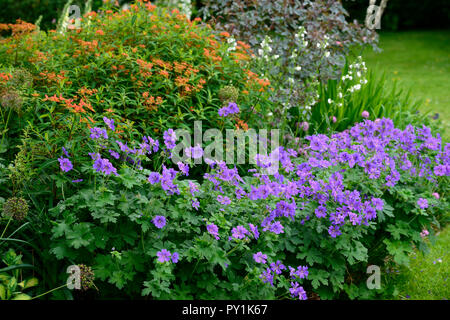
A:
213	230
103	165
301	272
109	123
165	256
170	138
260	257
223	200
422	203
277	267
267	276
194	152
65	164
232	108
239	232
297	291
97	133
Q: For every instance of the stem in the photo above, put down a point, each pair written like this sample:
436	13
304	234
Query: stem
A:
6	126
10	218
195	267
71	128
49	292
232	250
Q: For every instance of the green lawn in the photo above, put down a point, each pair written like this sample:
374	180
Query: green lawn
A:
419	60
427	276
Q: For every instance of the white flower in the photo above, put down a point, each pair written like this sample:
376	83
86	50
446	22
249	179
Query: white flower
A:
318	45
298	68
358	74
276	56
330	101
260	52
270	114
327	54
340	95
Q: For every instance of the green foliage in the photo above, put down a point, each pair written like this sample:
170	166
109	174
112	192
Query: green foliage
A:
12	282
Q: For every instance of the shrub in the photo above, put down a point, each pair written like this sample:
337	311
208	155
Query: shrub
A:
146	68
140	64
298	44
348	200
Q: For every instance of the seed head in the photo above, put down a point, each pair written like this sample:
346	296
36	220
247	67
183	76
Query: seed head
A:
17	208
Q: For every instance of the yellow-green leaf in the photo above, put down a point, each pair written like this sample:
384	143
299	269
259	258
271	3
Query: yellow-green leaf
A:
22	296
31	283
2	292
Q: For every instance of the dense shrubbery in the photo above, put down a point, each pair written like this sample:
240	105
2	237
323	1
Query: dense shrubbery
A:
87	177
146	68
299	44
349	200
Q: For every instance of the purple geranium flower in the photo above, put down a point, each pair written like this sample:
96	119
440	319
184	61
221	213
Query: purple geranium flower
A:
65	152
65	164
277	267
175	257
422	203
159	221
114	154
195	204
97	133
183	168
154	177
276	227
254	230
163	256
170	138
109	123
297	291
267	276
232	108
260	257
239	232
213	230
223	199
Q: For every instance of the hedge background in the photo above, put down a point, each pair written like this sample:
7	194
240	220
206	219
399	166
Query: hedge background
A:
399	14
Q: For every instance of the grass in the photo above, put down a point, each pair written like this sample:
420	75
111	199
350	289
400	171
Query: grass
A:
427	276
419	60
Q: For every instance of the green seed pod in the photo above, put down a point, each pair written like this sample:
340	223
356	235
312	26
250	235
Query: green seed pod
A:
228	94
87	277
11	99
17	208
21	78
